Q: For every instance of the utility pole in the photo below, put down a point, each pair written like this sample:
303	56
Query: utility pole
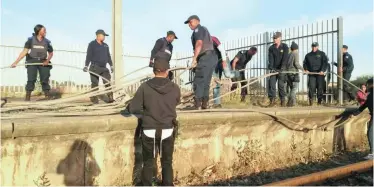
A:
340	59
117	42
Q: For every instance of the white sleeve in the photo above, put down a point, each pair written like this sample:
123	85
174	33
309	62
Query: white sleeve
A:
223	52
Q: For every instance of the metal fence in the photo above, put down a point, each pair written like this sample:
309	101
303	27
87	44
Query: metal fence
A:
327	33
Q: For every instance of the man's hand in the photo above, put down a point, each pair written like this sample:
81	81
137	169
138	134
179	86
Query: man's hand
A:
151	63
321	73
85	69
14	65
306	71
340	69
45	63
111	69
194	63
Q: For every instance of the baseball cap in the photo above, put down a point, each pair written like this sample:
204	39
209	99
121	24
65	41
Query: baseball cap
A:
171	33
191	18
315	44
345	46
161	65
277	35
101	31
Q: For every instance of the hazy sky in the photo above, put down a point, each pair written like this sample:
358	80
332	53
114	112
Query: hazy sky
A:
71	24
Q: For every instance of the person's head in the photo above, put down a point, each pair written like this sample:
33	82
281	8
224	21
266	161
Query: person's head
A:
294	46
369	84
160	68
193	21
39	30
170	36
252	50
363	87
315	46
277	38
345	48
100	35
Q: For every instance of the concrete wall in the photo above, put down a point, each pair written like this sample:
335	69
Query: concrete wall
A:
101	150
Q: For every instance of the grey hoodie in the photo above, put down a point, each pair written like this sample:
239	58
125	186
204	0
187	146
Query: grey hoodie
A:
293	61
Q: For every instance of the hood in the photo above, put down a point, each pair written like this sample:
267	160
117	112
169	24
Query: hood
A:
161	85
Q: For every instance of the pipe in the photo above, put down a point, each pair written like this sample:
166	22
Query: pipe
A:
318	177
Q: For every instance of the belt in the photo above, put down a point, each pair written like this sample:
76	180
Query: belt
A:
98	64
208	52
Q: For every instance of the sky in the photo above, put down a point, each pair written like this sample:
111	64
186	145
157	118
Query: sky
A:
71	24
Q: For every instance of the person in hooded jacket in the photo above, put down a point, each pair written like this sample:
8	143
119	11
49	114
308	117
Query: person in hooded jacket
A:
157	99
293	79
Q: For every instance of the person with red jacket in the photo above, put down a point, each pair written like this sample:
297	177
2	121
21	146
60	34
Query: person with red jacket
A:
361	95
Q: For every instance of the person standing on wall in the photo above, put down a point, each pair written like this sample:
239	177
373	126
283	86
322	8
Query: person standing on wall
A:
293	79
98	55
278	53
239	63
163	49
157	99
315	62
204	61
38	49
347	69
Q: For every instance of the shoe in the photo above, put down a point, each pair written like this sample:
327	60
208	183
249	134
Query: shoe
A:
272	102
110	96
310	102
283	103
242	98
319	102
217	106
205	103
28	96
197	104
369	157
47	95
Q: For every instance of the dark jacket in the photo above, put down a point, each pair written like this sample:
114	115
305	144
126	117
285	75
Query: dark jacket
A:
243	58
162	50
98	54
368	103
278	56
158	99
315	61
348	65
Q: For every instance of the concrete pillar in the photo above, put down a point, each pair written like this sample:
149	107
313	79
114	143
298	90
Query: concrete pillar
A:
117	53
340	58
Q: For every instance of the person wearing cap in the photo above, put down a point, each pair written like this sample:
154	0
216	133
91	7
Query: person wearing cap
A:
278	53
368	104
347	69
239	64
315	62
204	61
37	49
157	100
98	56
293	79
163	49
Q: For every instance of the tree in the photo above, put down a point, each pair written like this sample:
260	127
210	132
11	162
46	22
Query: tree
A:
361	80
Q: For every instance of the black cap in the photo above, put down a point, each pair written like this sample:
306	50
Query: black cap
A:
161	65
101	31
294	46
277	35
171	33
345	46
315	44
191	18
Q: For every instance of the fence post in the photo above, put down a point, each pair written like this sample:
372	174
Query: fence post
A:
266	42
117	49
340	57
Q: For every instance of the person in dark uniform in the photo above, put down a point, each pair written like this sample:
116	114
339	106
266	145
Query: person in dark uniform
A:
98	55
204	61
293	79
278	53
157	100
218	71
239	63
38	49
368	104
315	61
163	49
347	69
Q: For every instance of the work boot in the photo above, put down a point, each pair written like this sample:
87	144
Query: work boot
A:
28	96
205	103
47	95
94	100
242	98
197	104
310	102
272	102
110	96
283	103
319	102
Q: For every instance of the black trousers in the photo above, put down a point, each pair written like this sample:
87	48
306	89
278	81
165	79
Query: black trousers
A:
243	91
167	149
102	71
316	82
32	74
281	78
203	75
347	93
